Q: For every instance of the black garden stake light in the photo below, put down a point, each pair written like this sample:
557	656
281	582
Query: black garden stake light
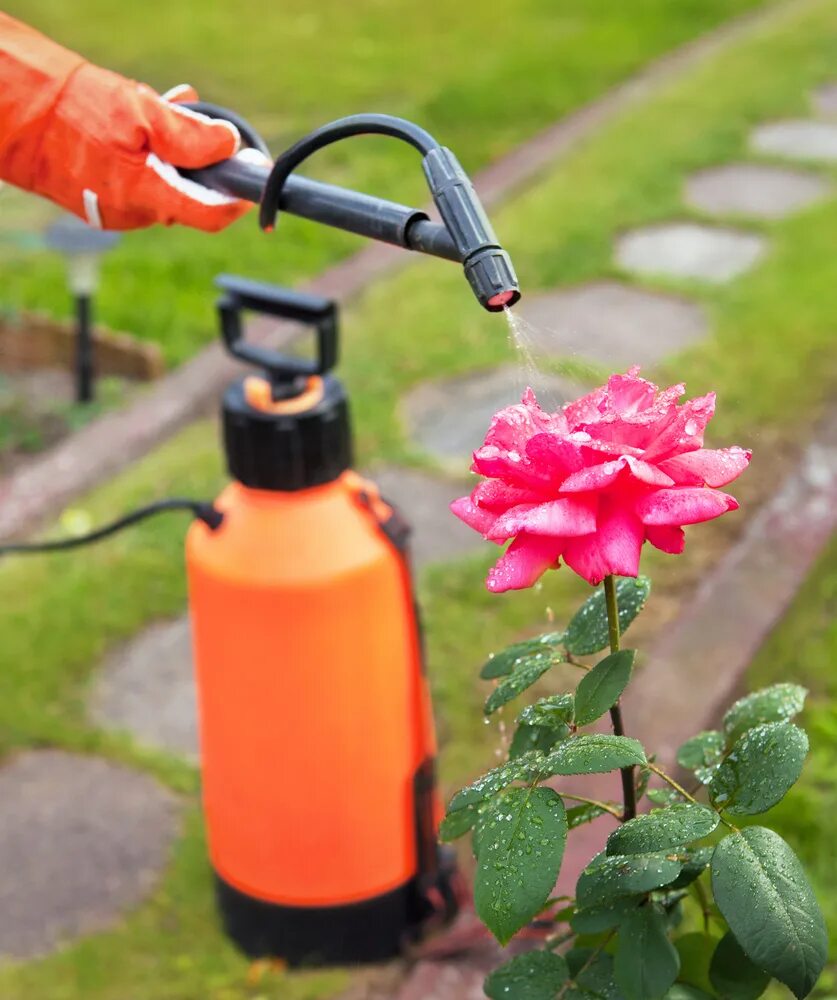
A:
82	247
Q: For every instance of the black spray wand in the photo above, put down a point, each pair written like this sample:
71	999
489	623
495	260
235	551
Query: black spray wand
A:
465	234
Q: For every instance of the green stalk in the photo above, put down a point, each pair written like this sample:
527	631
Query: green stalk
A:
628	785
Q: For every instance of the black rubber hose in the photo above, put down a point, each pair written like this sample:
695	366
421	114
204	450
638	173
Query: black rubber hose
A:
342	128
206	512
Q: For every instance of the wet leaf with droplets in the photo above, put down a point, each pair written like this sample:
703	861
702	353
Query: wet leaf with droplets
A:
537	975
522	840
695	862
588	633
664	796
733	975
524	675
595	919
765	898
523	768
702	754
663	829
504	662
527	737
646	963
608	878
554	710
778	703
457	824
593	753
601	687
762	765
594	981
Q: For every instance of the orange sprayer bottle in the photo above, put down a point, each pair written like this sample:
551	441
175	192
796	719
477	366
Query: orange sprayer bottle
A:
317	740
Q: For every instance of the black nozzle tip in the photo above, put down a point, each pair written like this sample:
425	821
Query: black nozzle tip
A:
492	279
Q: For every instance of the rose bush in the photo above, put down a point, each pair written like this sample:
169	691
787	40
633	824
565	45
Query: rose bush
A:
590	484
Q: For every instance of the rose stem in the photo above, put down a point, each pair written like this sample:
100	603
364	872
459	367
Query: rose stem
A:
628	786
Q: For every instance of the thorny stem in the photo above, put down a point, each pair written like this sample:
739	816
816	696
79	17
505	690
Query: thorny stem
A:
613	810
577	663
628	786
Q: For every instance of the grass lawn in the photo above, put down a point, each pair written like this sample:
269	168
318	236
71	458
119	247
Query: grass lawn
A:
57	618
482	77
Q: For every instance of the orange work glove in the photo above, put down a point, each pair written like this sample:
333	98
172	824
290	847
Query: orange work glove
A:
102	146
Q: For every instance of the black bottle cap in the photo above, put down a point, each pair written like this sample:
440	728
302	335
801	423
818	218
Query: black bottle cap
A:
268	450
290	430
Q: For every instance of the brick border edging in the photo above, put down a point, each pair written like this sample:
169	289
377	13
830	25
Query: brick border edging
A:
41	487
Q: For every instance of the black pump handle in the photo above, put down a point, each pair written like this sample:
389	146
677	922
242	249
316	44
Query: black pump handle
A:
273	300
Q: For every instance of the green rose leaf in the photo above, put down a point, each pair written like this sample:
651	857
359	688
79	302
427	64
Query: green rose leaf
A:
593	753
523	768
681	992
504	662
608	878
521	846
601	687
541	738
664	796
586	813
764	896
537	975
524	675
594	981
555	710
595	919
702	754
762	765
779	703
663	829
733	975
695	862
457	824
588	633
647	963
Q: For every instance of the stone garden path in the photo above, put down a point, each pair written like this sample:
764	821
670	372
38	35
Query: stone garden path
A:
87	839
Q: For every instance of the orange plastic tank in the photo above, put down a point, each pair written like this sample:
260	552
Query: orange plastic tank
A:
316	733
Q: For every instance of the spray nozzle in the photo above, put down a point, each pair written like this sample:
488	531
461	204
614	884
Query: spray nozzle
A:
465	235
283	371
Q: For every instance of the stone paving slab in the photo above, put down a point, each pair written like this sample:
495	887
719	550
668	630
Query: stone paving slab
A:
82	841
754	189
824	100
146	686
449	417
689	250
612	323
800	139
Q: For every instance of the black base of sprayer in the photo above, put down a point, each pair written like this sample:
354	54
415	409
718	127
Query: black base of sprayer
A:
373	930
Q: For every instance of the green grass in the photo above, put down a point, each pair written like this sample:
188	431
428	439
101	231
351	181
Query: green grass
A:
804	649
481	77
58	617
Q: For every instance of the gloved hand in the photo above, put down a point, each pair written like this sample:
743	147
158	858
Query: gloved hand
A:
104	147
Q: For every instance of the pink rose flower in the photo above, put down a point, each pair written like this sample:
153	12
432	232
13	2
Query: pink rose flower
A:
595	480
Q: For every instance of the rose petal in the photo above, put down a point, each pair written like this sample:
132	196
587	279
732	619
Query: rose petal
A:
646	473
595	477
587	408
560	518
512	426
687	505
495	495
614	548
510	466
554	457
523	563
666	538
707	467
475	517
684	431
628	394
